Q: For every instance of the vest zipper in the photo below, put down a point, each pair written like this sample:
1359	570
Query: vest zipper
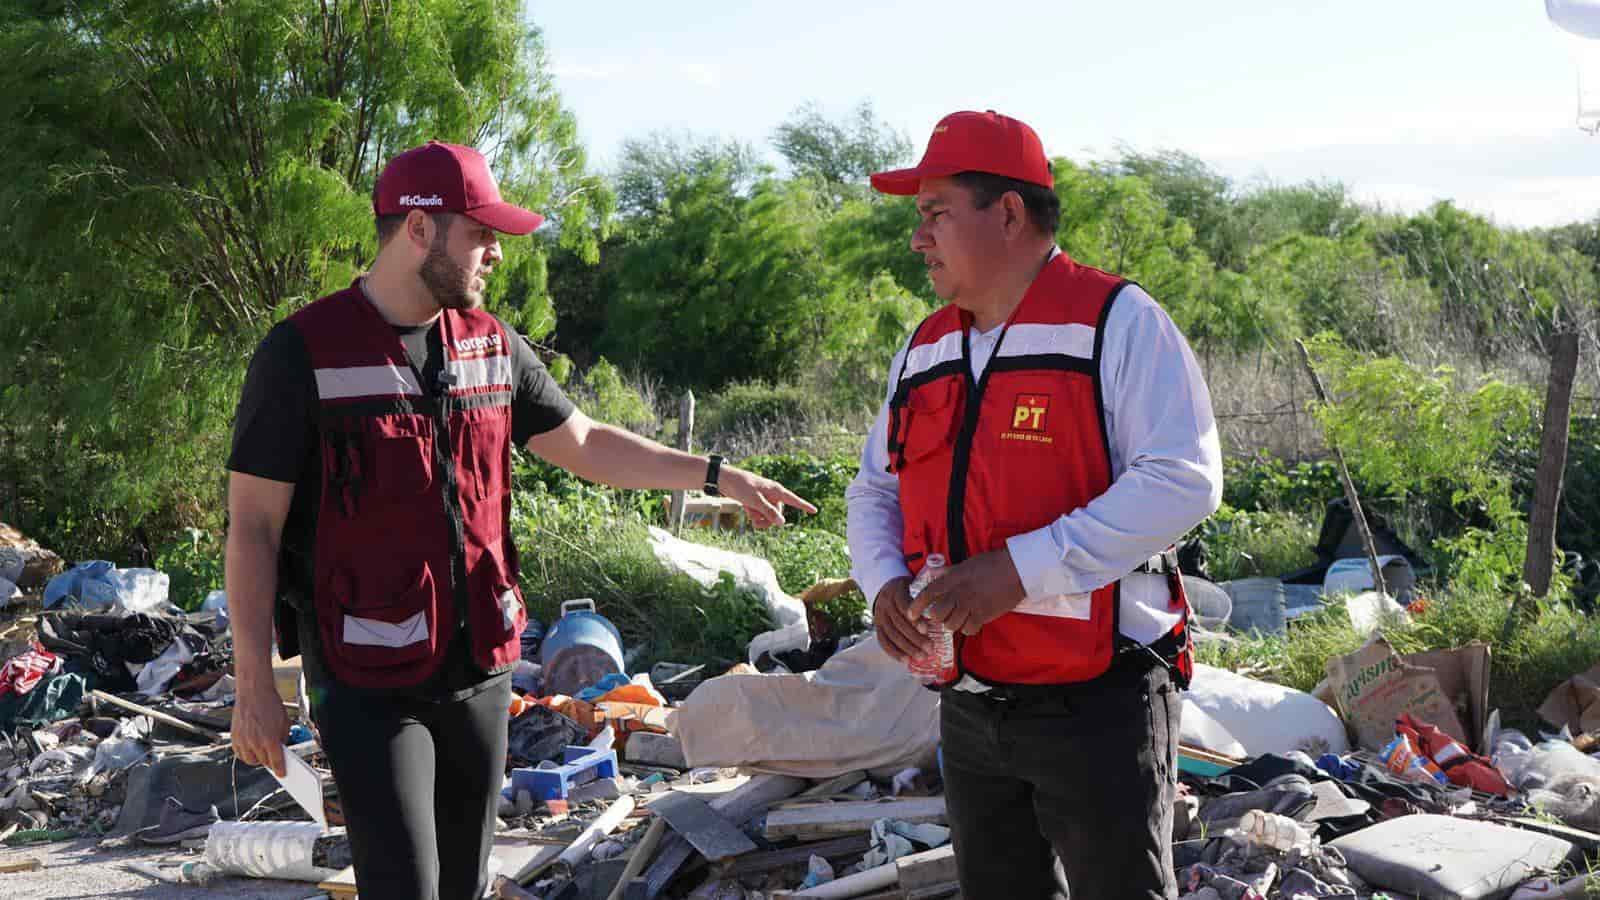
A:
962	456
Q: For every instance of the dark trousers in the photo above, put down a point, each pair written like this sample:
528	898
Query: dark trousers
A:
419	783
1067	788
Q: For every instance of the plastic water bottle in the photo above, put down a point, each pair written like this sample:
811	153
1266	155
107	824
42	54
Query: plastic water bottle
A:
1272	830
937	666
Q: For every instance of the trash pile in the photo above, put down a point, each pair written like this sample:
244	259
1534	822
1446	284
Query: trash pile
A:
797	773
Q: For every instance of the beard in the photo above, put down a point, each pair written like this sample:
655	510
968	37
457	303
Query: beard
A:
449	283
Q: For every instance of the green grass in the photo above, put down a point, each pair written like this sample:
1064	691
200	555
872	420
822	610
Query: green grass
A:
590	545
1553	644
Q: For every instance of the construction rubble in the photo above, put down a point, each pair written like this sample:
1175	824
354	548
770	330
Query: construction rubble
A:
796	773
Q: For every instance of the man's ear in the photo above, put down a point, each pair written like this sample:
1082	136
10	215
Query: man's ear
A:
1016	221
419	229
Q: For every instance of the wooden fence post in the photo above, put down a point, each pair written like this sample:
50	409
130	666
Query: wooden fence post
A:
686	444
1541	557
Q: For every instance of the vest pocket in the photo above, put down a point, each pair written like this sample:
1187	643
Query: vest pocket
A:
928	420
401	452
376	626
486	437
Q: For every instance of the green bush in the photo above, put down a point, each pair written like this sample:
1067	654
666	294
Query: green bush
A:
1263	482
194	565
819	479
754	405
1246	544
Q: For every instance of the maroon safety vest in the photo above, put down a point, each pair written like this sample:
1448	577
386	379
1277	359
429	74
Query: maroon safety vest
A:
412	538
979	463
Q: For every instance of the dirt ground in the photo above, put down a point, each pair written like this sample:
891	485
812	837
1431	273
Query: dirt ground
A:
78	870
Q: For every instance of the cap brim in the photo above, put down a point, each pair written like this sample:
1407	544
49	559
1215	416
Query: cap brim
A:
906	182
506	218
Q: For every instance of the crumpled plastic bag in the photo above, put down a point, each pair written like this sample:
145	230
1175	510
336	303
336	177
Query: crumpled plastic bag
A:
818	871
99	585
892	839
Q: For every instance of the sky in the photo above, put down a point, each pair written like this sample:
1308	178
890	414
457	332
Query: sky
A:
1404	101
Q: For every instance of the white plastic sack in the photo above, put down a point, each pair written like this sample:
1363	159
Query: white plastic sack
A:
861	710
1260	716
8	592
1369	609
706	565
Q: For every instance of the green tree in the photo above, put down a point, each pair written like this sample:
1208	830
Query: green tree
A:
839	153
182	174
1118	223
724	287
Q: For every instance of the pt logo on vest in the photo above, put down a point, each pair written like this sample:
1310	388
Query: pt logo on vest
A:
1029	418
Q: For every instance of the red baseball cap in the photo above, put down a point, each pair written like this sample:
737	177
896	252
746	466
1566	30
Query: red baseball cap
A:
440	177
974	142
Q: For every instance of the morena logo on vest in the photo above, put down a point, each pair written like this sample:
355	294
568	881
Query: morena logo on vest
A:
482	345
1029	418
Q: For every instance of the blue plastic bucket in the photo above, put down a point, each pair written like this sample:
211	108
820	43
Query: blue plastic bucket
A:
581	648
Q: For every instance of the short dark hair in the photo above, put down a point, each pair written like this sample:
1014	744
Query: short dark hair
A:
389	225
1042	204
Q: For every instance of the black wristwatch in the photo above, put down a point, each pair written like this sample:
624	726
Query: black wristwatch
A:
713	469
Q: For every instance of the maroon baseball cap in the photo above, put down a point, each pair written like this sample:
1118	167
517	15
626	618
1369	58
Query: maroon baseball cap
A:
440	177
974	142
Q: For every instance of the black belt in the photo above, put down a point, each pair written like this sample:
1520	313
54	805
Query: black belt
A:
1126	668
1163	563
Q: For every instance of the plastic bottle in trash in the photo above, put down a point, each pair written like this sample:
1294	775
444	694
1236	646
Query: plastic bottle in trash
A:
938	665
1272	830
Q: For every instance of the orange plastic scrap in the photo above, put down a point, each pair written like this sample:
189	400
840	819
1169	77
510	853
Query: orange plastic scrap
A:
627	718
576	710
634	692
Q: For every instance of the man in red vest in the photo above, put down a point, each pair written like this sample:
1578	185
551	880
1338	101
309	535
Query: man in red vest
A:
369	501
1048	432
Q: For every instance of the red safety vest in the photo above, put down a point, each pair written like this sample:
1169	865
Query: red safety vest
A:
413	534
980	463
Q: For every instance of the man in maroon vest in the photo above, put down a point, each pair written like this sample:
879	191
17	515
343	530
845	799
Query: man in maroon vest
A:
369	501
1048	432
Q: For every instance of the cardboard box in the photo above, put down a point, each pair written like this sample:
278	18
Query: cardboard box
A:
1374	685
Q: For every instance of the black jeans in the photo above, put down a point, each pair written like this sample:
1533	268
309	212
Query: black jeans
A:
419	782
1074	790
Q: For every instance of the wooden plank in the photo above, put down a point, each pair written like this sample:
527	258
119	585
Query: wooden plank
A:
927	869
768	860
715	837
518	856
1587	841
161	717
829	819
836	785
342	883
637	860
25	864
750	796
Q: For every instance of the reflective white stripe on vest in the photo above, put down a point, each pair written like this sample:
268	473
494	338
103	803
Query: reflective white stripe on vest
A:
1047	340
924	357
1061	606
366	381
476	373
374	633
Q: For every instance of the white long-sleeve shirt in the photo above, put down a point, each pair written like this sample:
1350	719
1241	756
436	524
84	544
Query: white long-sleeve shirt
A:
1166	470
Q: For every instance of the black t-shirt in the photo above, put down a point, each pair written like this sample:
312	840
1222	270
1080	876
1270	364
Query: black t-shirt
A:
275	436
